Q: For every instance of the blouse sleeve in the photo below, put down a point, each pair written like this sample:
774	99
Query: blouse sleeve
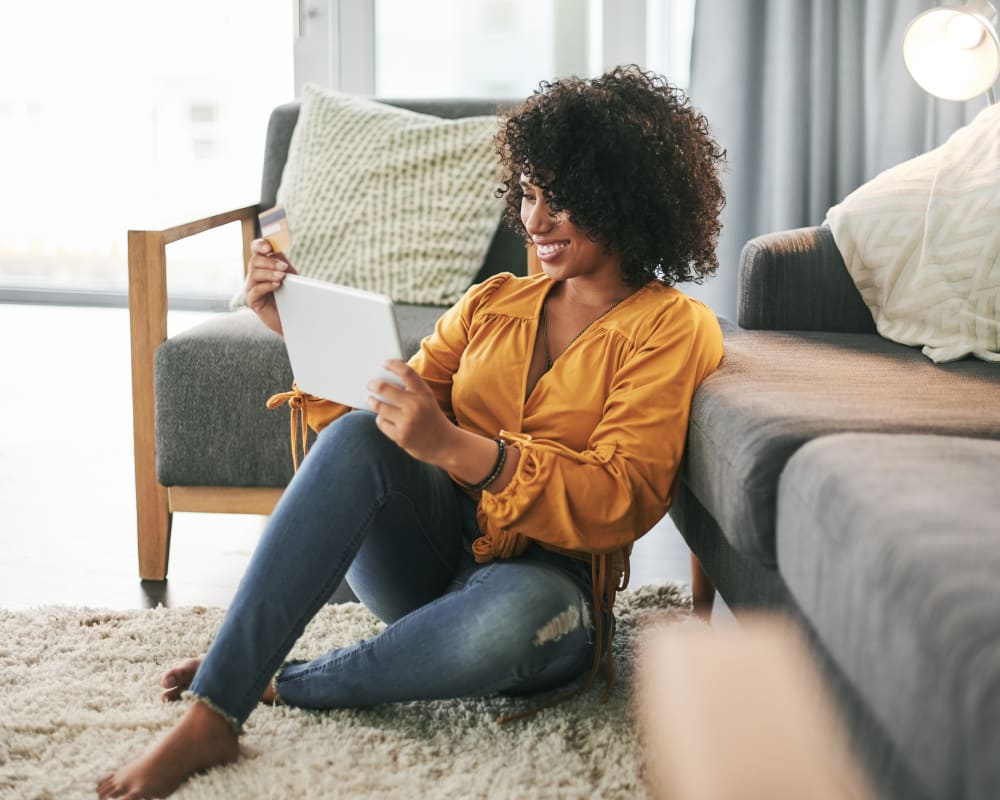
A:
605	497
319	413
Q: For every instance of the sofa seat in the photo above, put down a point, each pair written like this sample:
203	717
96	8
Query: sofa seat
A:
777	390
211	386
890	546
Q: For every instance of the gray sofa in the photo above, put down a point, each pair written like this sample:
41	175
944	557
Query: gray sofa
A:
854	485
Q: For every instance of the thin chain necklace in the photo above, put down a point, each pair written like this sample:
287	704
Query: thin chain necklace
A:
545	330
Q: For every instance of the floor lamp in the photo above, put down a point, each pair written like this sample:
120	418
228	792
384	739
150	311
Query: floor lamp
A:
953	52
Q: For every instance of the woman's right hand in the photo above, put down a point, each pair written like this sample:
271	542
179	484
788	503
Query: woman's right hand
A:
265	272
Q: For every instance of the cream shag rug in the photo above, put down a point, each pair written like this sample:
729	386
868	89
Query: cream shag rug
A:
79	696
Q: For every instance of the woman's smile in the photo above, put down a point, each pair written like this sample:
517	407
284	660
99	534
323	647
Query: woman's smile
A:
548	250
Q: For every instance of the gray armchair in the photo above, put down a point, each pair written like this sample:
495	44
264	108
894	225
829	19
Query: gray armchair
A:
204	440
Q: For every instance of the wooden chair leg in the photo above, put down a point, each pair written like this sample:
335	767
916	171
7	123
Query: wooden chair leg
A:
148	324
153	519
702	590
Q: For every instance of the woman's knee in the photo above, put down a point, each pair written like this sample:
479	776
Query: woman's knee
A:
352	447
549	609
352	435
348	463
533	613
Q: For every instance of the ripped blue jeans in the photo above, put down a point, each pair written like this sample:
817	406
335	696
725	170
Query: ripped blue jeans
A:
401	531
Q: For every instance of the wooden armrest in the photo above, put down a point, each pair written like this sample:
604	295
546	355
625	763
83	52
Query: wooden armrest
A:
147	263
147	282
247	215
207	223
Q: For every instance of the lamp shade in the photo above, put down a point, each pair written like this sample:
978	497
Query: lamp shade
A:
953	52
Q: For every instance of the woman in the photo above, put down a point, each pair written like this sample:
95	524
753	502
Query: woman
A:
486	510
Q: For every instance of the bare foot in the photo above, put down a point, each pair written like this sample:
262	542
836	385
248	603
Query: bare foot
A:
176	680
201	740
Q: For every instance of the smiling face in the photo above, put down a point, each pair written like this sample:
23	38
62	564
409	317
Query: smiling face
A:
564	250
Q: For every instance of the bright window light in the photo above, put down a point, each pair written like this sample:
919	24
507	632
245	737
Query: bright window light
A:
132	114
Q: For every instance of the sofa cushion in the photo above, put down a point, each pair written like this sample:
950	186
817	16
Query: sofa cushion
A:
211	384
922	242
506	251
777	390
390	200
890	546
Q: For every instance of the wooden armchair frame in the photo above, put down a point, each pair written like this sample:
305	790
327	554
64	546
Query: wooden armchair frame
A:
147	292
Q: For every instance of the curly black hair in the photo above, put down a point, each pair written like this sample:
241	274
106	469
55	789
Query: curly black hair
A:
632	164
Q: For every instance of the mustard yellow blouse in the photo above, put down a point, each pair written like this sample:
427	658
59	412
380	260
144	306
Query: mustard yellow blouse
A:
602	433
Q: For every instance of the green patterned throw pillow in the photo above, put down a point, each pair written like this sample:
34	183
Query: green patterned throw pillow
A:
389	200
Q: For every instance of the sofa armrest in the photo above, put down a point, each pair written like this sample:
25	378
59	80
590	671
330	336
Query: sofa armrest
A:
796	280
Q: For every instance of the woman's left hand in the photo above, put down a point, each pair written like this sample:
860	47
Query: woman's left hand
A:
410	416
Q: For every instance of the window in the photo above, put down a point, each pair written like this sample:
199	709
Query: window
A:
503	48
669	28
130	115
491	48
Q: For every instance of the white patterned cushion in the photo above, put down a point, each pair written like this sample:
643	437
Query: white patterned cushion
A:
389	200
922	243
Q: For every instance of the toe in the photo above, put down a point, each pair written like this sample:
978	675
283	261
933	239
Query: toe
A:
179	678
174	677
106	786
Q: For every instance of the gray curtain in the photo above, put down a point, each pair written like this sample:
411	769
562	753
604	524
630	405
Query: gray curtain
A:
811	99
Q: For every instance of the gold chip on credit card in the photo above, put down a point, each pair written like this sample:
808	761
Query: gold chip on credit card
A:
274	228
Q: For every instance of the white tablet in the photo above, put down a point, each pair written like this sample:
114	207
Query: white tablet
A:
337	337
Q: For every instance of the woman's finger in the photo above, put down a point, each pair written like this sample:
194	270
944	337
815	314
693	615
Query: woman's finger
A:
267	273
256	291
385	413
392	394
255	298
387	426
271	261
261	246
410	377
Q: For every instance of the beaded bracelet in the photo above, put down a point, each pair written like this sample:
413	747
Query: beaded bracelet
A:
497	467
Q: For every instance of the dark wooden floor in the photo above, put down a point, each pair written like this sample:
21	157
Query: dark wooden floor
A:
67	509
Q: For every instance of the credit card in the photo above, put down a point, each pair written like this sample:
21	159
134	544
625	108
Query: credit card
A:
274	228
